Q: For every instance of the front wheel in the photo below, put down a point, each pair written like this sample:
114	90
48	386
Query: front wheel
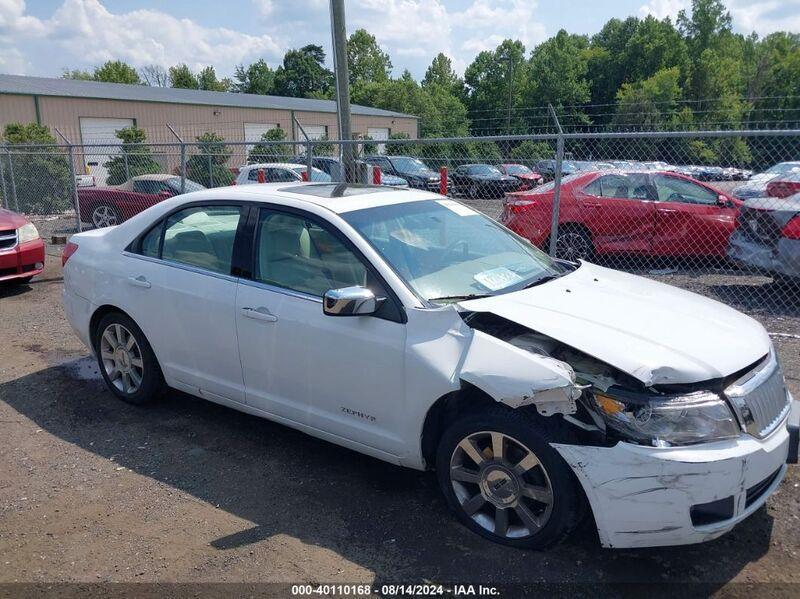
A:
104	215
504	481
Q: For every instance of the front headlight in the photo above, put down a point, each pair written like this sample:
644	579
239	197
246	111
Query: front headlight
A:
27	232
664	421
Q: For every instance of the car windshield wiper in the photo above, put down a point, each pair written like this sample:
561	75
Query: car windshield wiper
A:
453	298
543	279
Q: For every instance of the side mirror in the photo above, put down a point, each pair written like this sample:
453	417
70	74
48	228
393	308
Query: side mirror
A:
349	301
724	202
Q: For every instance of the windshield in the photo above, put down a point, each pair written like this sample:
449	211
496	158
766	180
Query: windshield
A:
316	174
446	251
175	185
517	169
483	169
409	165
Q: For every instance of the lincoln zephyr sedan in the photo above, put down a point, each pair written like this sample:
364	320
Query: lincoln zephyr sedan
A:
406	326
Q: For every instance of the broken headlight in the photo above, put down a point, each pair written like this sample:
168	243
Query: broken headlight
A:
663	421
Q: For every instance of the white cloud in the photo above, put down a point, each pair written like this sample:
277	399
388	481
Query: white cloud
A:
663	8
85	33
766	17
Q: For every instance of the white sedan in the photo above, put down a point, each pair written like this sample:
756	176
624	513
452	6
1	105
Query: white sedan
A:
406	326
278	172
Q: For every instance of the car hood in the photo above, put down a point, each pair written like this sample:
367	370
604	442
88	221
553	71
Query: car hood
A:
11	220
656	333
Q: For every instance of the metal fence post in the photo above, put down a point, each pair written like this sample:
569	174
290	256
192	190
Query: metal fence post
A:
556	183
127	168
76	200
210	172
183	167
310	159
3	182
13	183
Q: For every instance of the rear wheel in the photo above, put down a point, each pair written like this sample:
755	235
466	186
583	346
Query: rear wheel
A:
104	215
474	191
504	481
573	243
127	362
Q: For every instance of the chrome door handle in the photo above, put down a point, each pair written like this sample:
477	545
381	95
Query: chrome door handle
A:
259	314
667	211
139	281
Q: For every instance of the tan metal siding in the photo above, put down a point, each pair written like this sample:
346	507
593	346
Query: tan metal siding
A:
16	109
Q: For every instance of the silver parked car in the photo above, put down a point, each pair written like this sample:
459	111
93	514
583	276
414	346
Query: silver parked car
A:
767	236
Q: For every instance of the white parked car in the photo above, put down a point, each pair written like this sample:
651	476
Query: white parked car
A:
278	172
406	326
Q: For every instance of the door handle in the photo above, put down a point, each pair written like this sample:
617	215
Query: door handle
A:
139	281
667	211
591	204
259	314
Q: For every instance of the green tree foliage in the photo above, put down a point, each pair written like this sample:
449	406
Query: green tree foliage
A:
366	61
207	80
530	151
209	166
303	73
257	78
266	152
113	71
135	157
441	73
41	174
181	76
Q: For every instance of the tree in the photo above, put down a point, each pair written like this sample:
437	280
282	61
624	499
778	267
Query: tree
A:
207	80
532	150
303	72
154	75
181	76
366	61
709	19
134	158
265	152
441	72
257	78
41	175
209	166
113	71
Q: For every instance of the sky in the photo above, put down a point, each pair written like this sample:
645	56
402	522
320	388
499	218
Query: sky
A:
45	37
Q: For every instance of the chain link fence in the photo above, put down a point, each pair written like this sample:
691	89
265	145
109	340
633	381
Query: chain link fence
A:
715	212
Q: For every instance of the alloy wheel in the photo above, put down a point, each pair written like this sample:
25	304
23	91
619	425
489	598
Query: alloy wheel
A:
573	245
501	484
122	358
473	192
104	216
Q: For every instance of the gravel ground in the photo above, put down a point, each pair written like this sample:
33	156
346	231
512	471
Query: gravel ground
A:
94	490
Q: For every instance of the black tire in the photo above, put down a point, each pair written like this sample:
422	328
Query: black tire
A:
567	505
474	191
573	243
151	384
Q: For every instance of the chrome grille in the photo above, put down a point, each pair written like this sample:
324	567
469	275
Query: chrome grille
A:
760	398
8	239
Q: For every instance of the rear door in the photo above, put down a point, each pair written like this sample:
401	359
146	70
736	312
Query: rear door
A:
690	218
619	211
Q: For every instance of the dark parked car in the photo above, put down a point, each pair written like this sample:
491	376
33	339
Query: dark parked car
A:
547	168
418	174
482	181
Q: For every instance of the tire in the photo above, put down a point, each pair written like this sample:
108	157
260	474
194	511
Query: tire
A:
474	192
132	373
573	243
105	215
530	523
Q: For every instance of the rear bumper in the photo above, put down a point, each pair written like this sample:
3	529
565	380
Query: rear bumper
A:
79	314
648	497
783	258
23	261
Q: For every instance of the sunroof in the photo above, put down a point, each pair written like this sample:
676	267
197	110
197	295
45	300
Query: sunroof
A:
336	190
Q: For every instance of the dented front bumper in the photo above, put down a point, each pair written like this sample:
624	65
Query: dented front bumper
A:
650	496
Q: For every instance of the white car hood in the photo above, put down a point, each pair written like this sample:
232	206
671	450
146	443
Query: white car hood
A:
654	332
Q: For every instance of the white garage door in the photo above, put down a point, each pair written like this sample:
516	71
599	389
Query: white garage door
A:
254	131
316	131
379	134
103	132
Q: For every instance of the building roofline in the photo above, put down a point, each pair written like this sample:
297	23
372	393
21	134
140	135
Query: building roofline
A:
94	90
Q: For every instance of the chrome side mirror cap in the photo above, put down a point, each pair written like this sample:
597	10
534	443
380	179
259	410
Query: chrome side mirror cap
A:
349	301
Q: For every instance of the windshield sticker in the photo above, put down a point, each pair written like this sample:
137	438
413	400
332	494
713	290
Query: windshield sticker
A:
459	209
497	278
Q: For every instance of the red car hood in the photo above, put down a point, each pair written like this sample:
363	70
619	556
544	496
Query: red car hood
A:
11	220
533	176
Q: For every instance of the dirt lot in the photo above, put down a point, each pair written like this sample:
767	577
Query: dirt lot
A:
93	490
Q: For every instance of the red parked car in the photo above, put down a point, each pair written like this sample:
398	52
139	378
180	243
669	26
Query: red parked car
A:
783	187
610	212
111	205
528	178
21	249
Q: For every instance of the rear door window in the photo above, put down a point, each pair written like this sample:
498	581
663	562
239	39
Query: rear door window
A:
200	236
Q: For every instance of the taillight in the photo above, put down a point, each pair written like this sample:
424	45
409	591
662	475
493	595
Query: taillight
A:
792	229
69	249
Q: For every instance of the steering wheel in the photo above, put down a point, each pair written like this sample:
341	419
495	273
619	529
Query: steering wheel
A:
675	197
451	247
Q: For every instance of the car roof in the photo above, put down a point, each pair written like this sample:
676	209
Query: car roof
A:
336	197
272	165
154	177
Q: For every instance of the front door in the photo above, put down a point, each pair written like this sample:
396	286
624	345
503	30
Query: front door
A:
342	376
690	219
